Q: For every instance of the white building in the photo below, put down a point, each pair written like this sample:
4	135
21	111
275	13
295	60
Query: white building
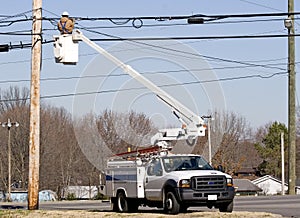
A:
271	185
82	192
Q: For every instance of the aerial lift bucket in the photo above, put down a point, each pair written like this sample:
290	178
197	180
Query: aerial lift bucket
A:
65	49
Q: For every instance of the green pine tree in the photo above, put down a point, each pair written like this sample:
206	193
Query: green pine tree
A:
269	149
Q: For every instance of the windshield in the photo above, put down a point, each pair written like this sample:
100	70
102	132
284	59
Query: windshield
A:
176	163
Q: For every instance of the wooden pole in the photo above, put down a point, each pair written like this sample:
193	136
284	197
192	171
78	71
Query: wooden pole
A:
34	136
9	164
292	107
282	163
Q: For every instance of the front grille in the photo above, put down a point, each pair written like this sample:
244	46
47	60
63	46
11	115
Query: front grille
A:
209	183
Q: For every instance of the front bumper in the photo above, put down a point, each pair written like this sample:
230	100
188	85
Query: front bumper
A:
198	198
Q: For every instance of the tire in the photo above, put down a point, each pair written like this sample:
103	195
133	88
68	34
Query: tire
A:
226	207
114	205
171	204
122	203
133	205
183	208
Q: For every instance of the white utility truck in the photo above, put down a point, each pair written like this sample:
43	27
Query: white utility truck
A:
153	176
156	178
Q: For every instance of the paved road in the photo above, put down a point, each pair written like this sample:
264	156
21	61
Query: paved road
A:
287	206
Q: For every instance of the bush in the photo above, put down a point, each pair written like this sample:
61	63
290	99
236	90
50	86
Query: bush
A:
100	196
71	197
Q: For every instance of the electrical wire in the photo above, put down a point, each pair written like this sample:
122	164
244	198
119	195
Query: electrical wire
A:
180	24
124	20
260	5
178	17
118	38
159	48
199	37
22	14
144	73
141	88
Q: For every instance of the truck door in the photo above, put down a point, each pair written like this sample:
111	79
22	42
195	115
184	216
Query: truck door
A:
153	180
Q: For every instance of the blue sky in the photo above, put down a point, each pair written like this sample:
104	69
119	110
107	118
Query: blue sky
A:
258	100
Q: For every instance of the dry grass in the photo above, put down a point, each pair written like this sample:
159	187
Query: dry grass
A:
85	214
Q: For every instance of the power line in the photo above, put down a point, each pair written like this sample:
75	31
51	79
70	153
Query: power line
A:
157	25
199	37
260	5
124	74
28	45
182	52
179	17
134	40
141	88
124	20
179	24
22	14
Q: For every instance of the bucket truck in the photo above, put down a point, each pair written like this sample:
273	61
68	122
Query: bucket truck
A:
153	176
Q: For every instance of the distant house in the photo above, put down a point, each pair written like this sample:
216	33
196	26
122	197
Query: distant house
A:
21	196
81	192
247	173
245	187
270	185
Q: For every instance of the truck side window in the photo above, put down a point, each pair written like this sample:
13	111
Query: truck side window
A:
155	168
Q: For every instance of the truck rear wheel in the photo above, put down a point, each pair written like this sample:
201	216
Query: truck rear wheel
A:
114	204
122	202
133	205
171	203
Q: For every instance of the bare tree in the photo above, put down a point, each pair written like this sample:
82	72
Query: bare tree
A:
120	130
90	141
62	160
14	97
59	149
229	131
14	105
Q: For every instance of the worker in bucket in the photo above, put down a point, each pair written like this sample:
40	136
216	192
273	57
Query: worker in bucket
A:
66	24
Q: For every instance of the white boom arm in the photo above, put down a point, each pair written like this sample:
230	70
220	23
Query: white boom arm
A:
192	124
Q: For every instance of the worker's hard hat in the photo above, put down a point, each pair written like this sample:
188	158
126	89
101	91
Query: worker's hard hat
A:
65	13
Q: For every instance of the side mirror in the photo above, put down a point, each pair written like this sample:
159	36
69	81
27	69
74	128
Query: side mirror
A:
220	168
159	173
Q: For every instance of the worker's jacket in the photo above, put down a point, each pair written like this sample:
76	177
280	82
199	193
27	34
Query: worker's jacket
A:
65	25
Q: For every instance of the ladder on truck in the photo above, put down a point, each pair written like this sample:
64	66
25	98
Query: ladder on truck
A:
143	154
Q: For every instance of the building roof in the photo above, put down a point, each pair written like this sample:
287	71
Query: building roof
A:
265	178
245	185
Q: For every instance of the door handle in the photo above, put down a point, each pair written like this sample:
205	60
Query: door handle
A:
146	179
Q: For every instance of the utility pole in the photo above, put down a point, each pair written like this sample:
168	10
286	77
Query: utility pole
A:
34	135
289	24
209	118
282	163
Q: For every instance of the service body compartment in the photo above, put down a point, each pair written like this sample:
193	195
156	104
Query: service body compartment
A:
127	176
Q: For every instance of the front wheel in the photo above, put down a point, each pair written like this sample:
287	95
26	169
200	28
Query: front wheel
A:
226	207
171	204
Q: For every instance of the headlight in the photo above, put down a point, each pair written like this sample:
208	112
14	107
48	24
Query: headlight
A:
184	183
229	182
